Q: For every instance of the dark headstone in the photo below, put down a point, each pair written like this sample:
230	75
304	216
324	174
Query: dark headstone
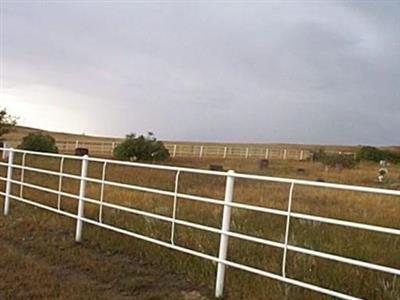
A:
81	151
263	164
216	168
311	157
301	171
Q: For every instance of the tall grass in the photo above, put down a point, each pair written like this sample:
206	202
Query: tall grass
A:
361	207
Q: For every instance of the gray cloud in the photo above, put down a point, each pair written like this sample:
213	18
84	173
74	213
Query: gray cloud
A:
261	72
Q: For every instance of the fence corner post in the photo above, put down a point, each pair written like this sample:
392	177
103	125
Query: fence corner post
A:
223	246
81	204
9	178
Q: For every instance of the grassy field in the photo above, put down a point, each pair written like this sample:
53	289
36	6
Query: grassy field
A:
44	236
21	131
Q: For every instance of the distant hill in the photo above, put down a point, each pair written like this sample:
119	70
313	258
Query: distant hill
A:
20	131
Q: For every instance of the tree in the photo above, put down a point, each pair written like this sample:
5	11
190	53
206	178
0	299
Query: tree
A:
141	148
7	122
39	142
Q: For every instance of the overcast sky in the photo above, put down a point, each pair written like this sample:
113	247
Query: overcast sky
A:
300	72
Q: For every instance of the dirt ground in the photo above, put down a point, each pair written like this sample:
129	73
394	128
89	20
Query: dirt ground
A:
40	260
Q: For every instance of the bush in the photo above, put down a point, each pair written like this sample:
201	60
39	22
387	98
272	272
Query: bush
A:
345	160
141	148
333	160
319	154
375	154
39	142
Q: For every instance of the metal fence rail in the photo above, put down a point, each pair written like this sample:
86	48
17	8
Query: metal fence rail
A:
227	203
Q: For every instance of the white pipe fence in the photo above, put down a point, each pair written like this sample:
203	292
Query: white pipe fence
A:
106	149
227	203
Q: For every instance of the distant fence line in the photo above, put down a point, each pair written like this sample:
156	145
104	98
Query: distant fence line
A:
192	150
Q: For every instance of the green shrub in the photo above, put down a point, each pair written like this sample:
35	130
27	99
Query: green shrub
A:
141	148
345	160
332	160
374	154
319	154
370	153
39	142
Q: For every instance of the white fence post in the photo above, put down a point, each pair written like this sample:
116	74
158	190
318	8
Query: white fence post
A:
5	152
112	148
60	180
174	151
289	211
76	144
247	153
223	246
225	151
9	178
103	178
301	154
284	153
81	204
21	187
201	151
174	207
266	153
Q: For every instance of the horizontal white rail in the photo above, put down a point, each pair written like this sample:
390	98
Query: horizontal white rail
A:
224	233
218	202
232	234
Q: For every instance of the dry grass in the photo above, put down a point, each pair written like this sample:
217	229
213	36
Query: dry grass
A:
40	261
361	207
21	131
